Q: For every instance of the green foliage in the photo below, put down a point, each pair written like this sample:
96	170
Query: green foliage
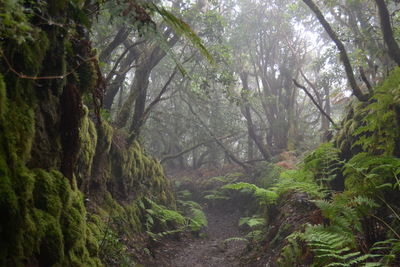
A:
160	221
388	250
264	196
374	175
379	133
184	194
195	215
253	222
323	162
267	175
332	248
114	251
216	195
334	243
257	233
298	180
14	20
159	214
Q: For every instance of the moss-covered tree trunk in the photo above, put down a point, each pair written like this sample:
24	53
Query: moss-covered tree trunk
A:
50	146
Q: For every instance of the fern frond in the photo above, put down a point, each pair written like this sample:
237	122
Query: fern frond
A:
263	195
196	217
252	222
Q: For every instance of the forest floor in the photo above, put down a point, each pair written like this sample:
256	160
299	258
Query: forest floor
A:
209	249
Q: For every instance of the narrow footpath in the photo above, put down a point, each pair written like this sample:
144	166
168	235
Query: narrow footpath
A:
210	250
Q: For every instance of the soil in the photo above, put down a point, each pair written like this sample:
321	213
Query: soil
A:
207	250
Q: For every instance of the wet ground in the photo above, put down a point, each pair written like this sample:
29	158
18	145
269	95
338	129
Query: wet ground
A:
209	250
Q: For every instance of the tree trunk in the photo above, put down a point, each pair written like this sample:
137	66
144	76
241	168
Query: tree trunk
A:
386	27
119	38
343	54
247	114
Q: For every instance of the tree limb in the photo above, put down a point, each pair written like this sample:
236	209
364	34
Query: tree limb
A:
168	157
315	102
226	150
365	80
343	54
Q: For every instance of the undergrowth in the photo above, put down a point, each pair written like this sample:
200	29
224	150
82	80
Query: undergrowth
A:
361	223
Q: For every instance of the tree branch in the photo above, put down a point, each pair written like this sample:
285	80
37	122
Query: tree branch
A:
315	102
343	54
365	80
168	157
226	150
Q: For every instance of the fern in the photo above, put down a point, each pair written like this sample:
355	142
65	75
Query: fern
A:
253	237
334	244
388	250
332	248
379	133
323	163
160	215
265	197
184	194
196	217
298	180
372	174
252	222
215	195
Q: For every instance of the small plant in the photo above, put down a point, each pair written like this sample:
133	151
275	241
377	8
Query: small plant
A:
113	251
255	223
160	221
252	222
216	195
195	215
264	196
299	180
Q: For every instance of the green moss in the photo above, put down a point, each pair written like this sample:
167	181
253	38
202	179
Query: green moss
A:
134	213
33	53
73	220
47	219
88	140
8	209
108	133
20	129
2	97
87	76
46	195
51	239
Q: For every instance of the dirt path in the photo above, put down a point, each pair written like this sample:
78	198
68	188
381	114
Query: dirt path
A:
205	251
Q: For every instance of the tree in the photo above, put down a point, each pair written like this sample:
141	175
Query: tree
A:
343	53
